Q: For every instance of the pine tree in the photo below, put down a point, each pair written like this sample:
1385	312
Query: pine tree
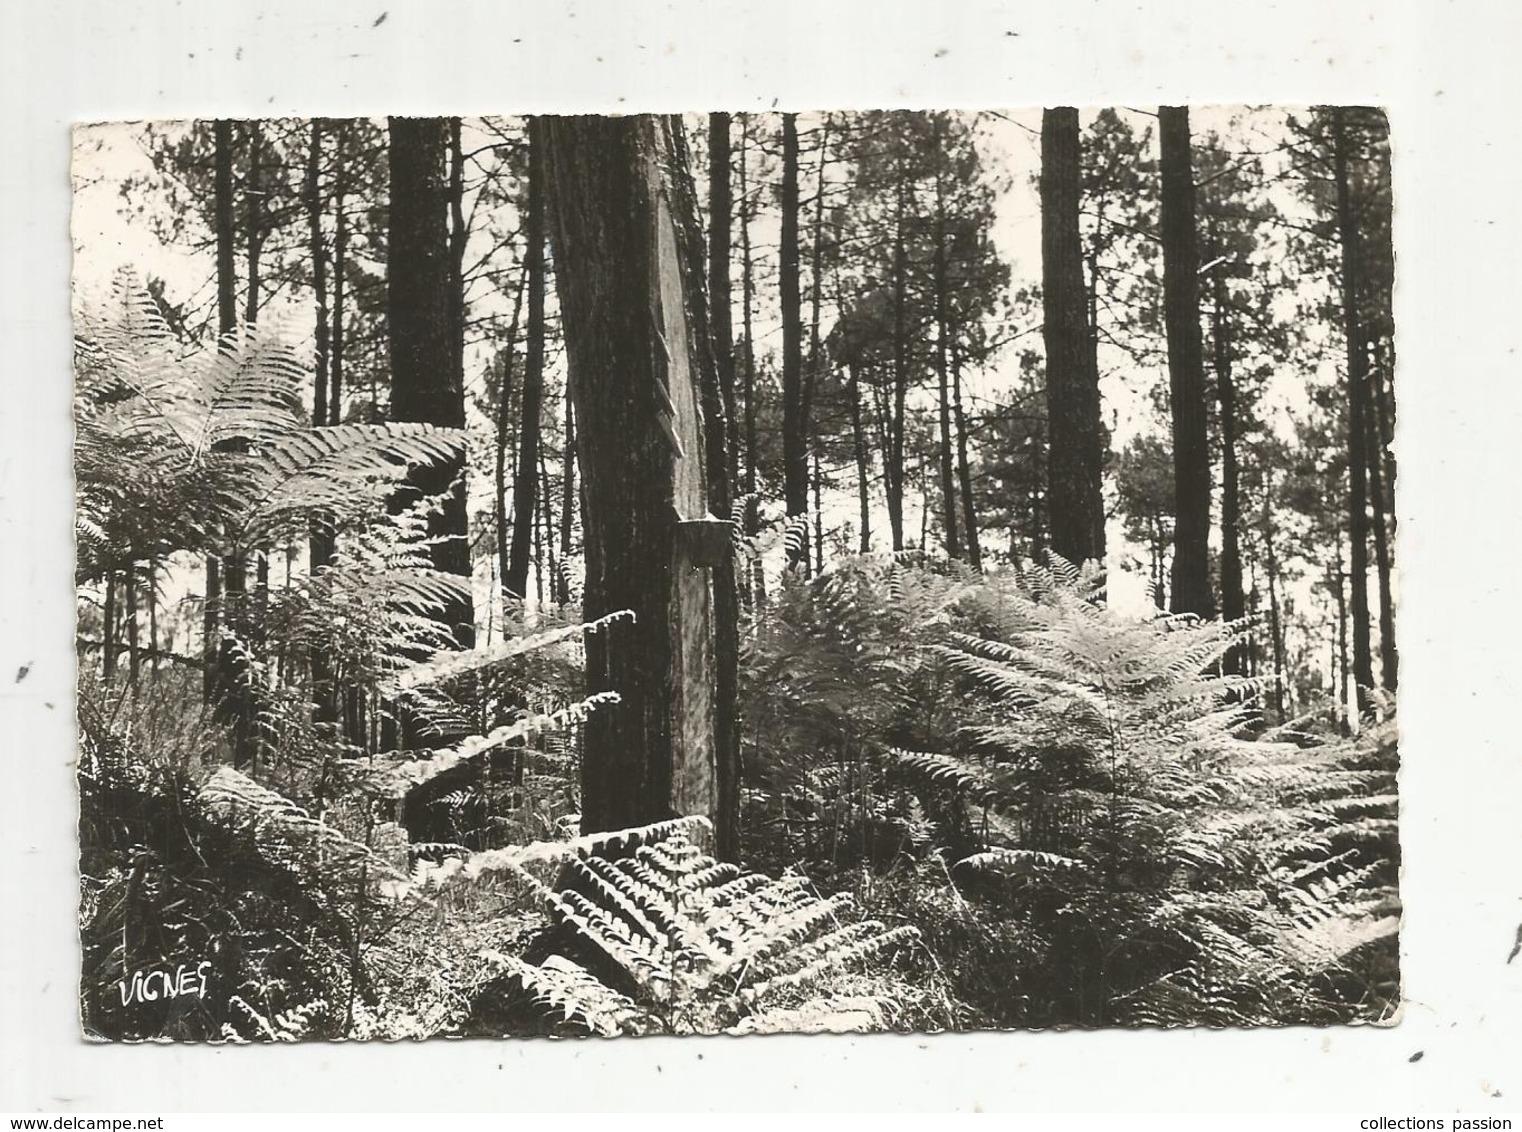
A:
625	296
426	383
1075	441
1186	369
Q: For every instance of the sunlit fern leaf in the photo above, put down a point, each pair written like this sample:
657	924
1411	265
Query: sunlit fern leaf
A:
450	664
1013	862
397	777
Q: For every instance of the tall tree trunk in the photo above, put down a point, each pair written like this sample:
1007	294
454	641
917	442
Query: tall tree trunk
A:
153	612
1075	429
340	267
1186	369
628	303
1275	623
426	383
1389	675
254	192
1358	390
321	543
964	466
815	371
254	205
227	322
227	684
720	238
506	359
893	451
755	588
129	611
317	249
567	503
943	361
108	629
1384	412
718	462
1231	512
859	446
817	481
1341	670
544	550
794	441
525	483
748	301
226	227
458	236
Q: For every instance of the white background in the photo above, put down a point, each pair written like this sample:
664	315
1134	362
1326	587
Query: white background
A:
1447	73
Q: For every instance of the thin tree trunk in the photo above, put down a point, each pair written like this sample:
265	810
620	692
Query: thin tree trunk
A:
544	552
153	611
254	192
945	459
1275	623
254	618
457	240
340	267
818	519
720	238
893	452
227	274
794	442
1387	656
1075	440
228	684
1226	393
859	444
504	414
748	297
108	629
815	371
526	482
964	466
227	322
1186	369
321	539
1341	687
567	503
1358	385
755	588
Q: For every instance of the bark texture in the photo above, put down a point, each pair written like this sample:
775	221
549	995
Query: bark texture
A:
1186	369
1075	456
634	352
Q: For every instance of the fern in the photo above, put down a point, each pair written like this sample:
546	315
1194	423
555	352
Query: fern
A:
395	777
220	432
685	944
1103	769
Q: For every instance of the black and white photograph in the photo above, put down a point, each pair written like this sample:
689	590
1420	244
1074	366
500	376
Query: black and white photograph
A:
866	557
736	573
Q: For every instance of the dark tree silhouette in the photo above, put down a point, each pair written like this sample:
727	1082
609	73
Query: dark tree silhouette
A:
1186	369
426	382
1075	454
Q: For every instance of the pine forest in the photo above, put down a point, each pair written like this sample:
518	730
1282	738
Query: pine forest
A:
735	573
